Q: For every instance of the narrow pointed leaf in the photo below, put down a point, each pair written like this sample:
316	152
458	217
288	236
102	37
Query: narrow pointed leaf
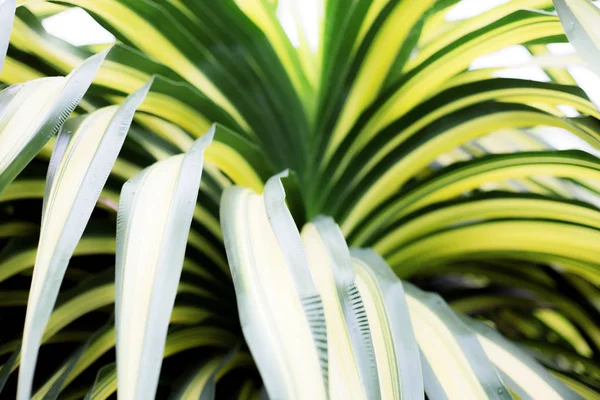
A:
100	389
396	349
7	368
280	309
177	341
65	371
202	384
373	116
352	365
96	346
153	222
454	363
30	113
7	14
86	150
581	21
525	376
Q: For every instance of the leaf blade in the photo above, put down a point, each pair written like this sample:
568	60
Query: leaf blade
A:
396	351
7	14
581	21
76	178
525	376
352	365
62	95
140	305
278	306
472	374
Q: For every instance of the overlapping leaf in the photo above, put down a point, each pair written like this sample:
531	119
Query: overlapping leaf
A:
85	151
362	118
580	20
368	310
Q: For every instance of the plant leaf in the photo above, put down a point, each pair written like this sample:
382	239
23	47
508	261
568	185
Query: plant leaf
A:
7	368
85	152
439	119
65	371
7	14
352	364
454	363
97	345
464	176
529	239
280	309
581	20
396	349
100	386
177	341
50	101
386	39
201	385
496	205
525	376
472	24
153	222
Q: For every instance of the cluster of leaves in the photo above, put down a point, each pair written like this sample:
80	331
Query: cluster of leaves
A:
446	172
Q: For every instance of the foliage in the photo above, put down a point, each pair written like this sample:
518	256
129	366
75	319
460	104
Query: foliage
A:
447	173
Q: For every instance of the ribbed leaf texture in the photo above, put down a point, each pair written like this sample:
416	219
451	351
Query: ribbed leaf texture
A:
436	236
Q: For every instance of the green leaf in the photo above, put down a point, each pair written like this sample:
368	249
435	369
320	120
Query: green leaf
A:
430	76
84	154
99	387
264	15
373	121
450	182
470	25
7	368
16	228
397	145
202	383
206	60
177	341
495	205
523	239
408	159
385	42
66	370
19	255
155	214
97	344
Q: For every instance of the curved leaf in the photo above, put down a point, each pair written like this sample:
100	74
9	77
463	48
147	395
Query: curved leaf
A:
461	177
470	373
7	13
581	20
396	349
523	374
280	310
83	156
50	100
352	364
151	239
176	342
